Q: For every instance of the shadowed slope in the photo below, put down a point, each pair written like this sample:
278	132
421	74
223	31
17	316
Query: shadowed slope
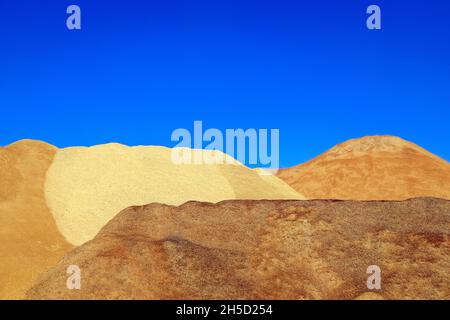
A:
30	242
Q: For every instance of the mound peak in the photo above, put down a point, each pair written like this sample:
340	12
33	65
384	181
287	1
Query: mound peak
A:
372	144
31	143
380	143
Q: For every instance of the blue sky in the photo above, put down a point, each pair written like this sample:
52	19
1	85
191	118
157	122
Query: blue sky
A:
140	69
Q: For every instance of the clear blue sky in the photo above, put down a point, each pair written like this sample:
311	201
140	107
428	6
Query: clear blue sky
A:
140	69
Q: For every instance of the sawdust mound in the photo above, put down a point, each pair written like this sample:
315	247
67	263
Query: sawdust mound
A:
30	242
86	187
372	168
278	249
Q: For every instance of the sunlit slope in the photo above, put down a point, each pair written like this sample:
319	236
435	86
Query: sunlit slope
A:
86	187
